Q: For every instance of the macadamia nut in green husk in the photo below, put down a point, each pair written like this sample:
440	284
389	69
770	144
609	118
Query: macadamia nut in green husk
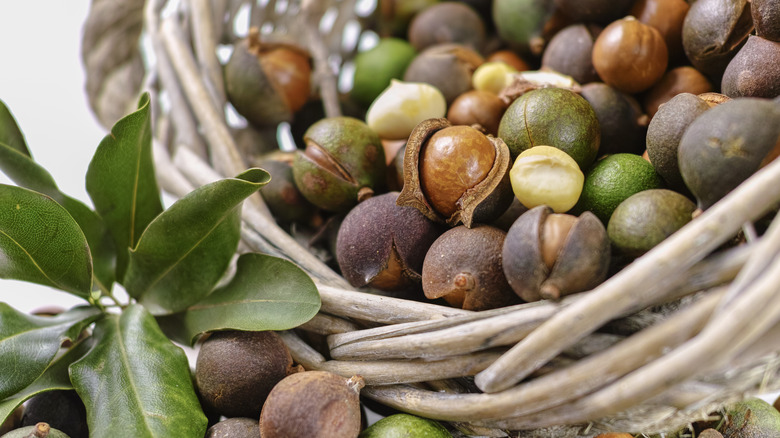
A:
382	245
552	117
343	163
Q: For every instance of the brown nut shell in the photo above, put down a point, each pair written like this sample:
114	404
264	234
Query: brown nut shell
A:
482	203
754	71
383	245
581	262
313	404
463	266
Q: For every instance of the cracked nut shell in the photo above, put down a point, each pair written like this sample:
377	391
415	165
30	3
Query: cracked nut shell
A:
343	163
548	255
382	245
455	174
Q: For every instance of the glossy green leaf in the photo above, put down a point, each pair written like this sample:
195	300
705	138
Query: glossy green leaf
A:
185	251
27	173
41	243
135	382
10	134
29	343
121	180
55	377
266	293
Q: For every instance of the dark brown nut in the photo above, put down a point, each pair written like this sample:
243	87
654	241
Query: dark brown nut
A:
235	371
548	255
684	79
630	55
570	52
281	195
313	404
447	22
766	18
448	67
382	245
726	145
754	71
713	32
267	83
343	164
463	266
622	123
665	131
594	11
476	107
455	174
667	16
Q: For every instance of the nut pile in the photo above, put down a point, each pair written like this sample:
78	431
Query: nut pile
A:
493	153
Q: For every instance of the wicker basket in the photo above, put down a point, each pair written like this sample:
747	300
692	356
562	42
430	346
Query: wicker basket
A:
665	342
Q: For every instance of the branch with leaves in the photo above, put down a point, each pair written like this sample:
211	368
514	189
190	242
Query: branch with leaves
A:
171	262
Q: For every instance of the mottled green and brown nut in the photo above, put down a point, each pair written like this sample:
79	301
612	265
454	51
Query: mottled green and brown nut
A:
448	67
281	195
630	55
455	174
525	25
621	119
754	71
447	22
313	403
481	108
684	79
667	16
552	117
463	266
766	18
548	255
727	144
382	245
343	163
750	418
570	52
713	32
236	370
665	131
267	83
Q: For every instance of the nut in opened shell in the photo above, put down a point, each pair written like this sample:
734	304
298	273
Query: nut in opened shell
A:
548	255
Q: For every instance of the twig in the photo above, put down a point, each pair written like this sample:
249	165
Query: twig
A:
205	45
311	13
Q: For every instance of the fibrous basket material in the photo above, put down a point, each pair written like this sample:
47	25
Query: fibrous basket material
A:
668	340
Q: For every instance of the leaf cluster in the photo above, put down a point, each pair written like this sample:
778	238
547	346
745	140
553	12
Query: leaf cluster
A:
120	357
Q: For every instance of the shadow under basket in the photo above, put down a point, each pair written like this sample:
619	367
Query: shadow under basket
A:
671	338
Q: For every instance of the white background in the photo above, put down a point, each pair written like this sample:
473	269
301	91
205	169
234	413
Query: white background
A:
42	82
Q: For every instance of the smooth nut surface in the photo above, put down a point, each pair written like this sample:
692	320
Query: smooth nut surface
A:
630	55
453	161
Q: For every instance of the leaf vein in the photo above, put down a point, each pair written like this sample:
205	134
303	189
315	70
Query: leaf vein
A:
32	260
